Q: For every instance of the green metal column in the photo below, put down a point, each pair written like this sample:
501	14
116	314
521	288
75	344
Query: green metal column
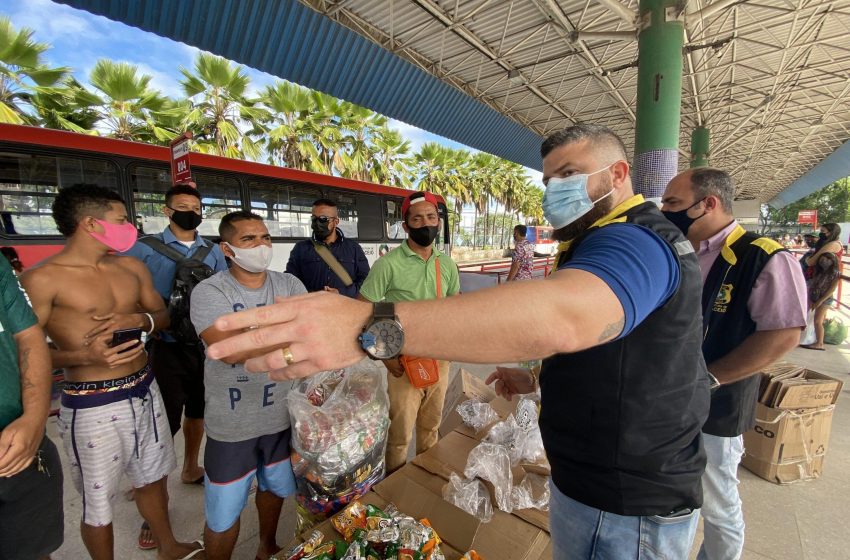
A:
659	95
699	147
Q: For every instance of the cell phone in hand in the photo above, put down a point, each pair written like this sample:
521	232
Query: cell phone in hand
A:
126	335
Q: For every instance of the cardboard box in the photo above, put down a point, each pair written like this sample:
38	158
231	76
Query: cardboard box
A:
788	445
791	387
505	537
418	493
450	456
786	473
810	390
463	387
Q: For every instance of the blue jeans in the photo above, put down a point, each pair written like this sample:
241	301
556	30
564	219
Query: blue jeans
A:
581	532
723	519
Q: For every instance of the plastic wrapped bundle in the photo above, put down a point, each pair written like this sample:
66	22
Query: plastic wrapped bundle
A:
520	434
531	493
469	495
339	429
491	462
476	414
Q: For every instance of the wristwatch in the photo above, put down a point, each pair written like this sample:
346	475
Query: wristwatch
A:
383	336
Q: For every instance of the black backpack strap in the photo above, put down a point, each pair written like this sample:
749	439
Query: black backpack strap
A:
157	245
202	253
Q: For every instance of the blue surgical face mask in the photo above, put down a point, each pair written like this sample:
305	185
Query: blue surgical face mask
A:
566	199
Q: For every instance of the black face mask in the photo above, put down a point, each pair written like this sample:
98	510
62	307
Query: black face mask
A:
424	236
321	228
186	219
681	219
822	236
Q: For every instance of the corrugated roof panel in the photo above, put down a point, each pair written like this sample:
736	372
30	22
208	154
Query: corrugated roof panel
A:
834	167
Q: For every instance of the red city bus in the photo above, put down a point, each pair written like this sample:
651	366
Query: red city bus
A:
36	162
541	237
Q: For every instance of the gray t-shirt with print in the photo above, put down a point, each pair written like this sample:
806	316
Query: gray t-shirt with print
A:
240	405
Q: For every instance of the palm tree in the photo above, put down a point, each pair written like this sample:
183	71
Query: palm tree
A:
532	207
23	74
56	108
291	130
123	102
391	162
220	109
360	125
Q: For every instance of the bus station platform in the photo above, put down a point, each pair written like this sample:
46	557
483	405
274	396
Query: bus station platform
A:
805	520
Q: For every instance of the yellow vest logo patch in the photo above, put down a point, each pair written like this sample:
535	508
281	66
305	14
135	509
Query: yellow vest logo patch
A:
724	297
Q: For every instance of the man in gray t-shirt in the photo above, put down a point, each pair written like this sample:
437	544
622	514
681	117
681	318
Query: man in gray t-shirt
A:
246	419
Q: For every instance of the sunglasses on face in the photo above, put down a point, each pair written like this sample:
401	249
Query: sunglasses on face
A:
324	219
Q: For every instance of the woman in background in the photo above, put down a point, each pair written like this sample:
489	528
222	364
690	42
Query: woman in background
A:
821	287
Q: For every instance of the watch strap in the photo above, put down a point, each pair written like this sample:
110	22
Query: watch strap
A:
383	310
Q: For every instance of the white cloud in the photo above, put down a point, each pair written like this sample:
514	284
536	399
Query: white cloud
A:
51	21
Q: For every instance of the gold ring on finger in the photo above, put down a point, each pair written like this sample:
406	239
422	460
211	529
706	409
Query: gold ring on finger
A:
287	355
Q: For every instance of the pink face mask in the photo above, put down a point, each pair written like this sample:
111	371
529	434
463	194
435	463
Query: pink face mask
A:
118	237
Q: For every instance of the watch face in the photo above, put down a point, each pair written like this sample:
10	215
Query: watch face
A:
383	339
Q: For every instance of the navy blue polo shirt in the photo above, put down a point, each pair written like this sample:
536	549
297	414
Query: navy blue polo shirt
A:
306	264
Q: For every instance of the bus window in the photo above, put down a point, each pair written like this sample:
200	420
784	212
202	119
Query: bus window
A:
346	206
371	224
394	219
29	184
285	209
219	196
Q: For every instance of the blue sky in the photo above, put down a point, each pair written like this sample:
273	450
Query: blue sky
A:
79	39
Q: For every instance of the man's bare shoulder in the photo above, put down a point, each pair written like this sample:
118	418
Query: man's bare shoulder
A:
42	276
130	263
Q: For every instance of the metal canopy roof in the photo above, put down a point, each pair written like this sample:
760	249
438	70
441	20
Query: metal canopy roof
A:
769	78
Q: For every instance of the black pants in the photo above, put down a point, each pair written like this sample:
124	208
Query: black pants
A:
31	517
179	371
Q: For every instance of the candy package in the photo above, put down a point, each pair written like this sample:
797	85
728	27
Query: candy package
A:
491	462
339	427
476	414
469	495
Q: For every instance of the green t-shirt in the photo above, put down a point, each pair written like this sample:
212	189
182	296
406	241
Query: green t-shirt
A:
16	315
402	275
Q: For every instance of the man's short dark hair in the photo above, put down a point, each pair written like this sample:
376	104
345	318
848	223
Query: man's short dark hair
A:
600	137
708	181
325	202
226	229
521	230
74	203
181	189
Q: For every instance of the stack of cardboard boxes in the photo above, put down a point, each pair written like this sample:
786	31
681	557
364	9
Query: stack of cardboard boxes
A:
793	421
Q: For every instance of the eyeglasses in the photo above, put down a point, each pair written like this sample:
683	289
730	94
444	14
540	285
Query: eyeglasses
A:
324	219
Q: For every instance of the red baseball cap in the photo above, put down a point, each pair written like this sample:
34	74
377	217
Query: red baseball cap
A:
417	197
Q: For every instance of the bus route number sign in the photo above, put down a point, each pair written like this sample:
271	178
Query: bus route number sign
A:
181	171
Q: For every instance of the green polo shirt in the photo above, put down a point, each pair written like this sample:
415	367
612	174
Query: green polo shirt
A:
16	315
402	275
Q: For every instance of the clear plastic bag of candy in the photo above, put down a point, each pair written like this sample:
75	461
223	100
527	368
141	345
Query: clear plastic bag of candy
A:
520	434
339	430
491	462
531	493
469	495
476	414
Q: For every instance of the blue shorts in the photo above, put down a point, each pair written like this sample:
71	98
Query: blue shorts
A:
230	470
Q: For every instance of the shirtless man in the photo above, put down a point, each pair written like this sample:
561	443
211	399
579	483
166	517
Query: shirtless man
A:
112	419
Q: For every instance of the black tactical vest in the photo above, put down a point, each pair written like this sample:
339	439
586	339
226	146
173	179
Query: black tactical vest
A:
621	421
727	322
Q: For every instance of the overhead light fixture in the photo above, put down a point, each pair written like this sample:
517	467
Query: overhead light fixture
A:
515	77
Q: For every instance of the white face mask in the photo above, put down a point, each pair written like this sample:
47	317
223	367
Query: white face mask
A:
255	259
